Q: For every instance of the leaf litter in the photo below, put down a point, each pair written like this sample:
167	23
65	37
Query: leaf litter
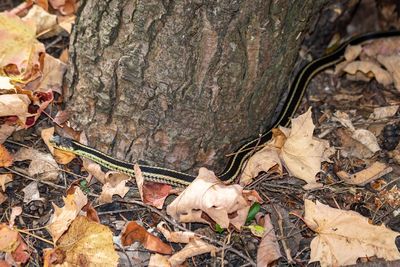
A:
294	167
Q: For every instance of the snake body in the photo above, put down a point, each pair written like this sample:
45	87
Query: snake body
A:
236	161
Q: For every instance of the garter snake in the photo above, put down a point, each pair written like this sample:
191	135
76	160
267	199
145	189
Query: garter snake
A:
236	161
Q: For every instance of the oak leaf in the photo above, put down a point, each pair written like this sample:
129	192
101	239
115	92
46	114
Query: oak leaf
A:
344	236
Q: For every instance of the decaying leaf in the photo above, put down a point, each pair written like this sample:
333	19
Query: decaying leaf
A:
195	247
8	239
52	75
31	193
367	175
225	204
63	217
133	232
158	260
369	69
6	159
384	112
3	198
42	165
302	153
14	105
115	185
5	131
344	236
5	83
17	252
268	251
4	179
42	19
87	243
176	237
392	64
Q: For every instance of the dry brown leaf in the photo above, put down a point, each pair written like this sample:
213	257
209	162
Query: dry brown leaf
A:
5	83
344	236
302	154
134	232
6	131
384	112
268	251
366	138
139	179
94	169
371	70
88	243
46	135
352	147
155	194
392	64
6	159
176	237
14	105
352	52
3	198
207	194
367	175
42	165
115	185
195	247
15	212
42	19
63	217
158	260
4	179
52	75
31	193
8	239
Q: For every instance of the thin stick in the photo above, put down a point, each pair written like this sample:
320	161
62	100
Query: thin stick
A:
35	236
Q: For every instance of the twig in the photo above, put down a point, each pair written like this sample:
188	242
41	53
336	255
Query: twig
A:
35	236
284	244
33	179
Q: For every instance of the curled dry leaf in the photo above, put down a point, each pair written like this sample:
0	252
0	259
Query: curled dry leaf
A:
352	52
367	175
6	159
268	251
42	165
115	185
158	260
176	237
384	112
94	169
352	147
392	64
86	243
14	105
225	204
42	19
370	69
133	232
344	236
4	179
63	217
195	247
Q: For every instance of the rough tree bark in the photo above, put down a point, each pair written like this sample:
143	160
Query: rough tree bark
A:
181	83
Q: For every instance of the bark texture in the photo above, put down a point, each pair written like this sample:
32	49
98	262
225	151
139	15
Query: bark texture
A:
181	83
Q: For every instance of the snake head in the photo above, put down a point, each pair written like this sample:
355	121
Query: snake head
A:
62	143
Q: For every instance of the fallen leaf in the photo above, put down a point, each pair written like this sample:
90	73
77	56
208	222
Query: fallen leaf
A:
370	69
14	105
15	212
42	19
302	154
66	7
352	52
225	204
268	251
155	194
176	237
344	236
367	175
392	64
6	131
3	198
195	247
52	75
88	243
4	179
366	138
46	135
352	147
42	165
94	169
115	185
6	159
133	232
384	112
22	253
31	193
61	117
139	179
63	217
158	260
5	83
8	239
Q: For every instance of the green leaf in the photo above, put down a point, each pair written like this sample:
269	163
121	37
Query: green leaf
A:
256	230
254	209
219	229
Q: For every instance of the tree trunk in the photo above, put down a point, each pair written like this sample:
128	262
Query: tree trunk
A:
181	83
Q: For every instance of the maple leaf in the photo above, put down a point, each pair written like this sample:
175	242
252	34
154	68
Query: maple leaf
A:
344	236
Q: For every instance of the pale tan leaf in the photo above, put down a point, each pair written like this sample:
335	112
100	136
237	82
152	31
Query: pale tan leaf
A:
302	154
4	179
139	179
115	185
371	70
6	131
5	83
352	147
46	135
63	217
42	165
94	169
88	243
268	251
31	193
42	19
8	238
352	52
14	105
366	138
207	194
344	236
15	212
52	75
158	260
392	64
176	237
384	112
195	247
367	175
